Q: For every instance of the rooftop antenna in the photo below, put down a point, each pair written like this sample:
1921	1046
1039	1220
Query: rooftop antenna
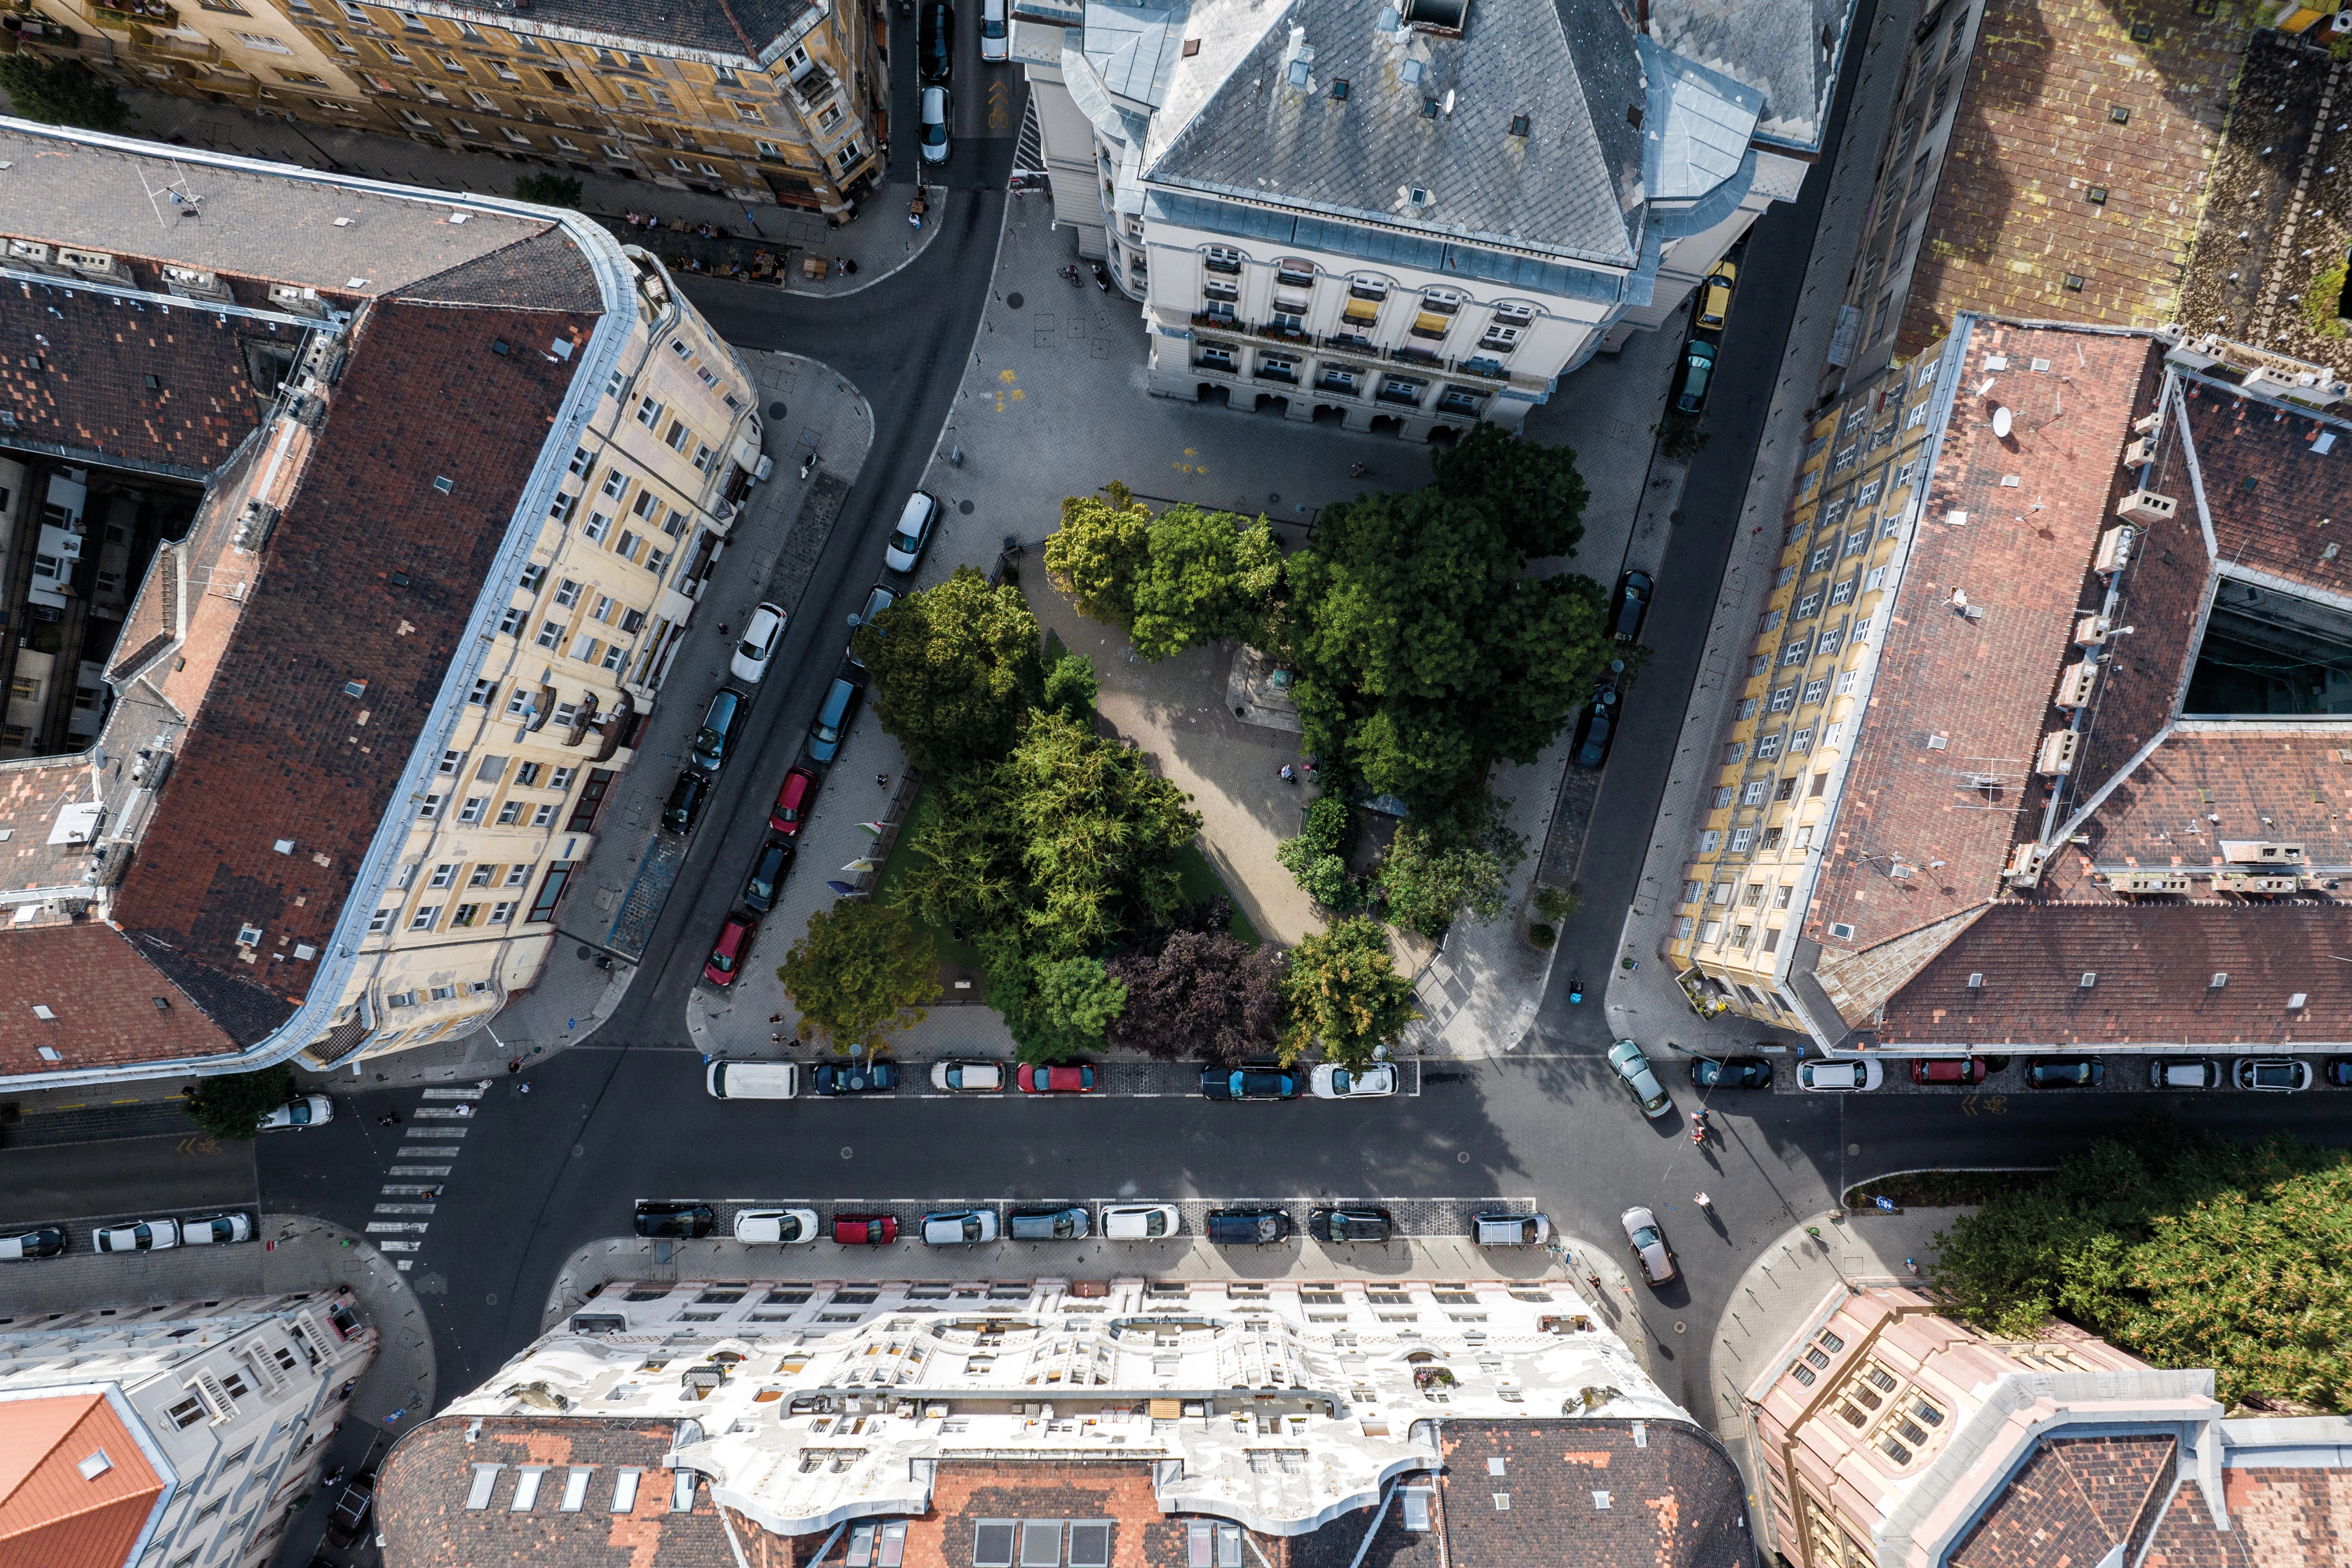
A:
186	201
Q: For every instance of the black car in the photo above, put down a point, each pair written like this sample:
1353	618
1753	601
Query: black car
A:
1248	1227
1342	1225
1254	1081
1731	1072
686	798
1596	727
724	717
2064	1072
2339	1072
1698	369
856	1077
352	1510
935	43
767	875
1631	606
675	1220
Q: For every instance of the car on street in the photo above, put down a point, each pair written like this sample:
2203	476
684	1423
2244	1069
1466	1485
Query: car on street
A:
1631	606
1698	369
920	514
1070	1078
793	803
686	798
995	45
142	1236
1051	1225
2277	1074
1649	1243
304	1110
960	1228
1256	1081
752	1080
2064	1072
721	720
1840	1075
833	719
2184	1072
349	1524
1510	1229
1341	1226
43	1241
935	41
1141	1221
216	1228
1596	727
1331	1081
1947	1070
2339	1072
854	1077
878	599
932	115
1730	1072
1248	1227
768	875
777	1226
734	945
865	1229
1632	1070
676	1219
1715	296
968	1077
761	634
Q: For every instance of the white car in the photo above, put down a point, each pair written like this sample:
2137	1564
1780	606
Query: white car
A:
1840	1075
146	1236
1510	1229
968	1077
310	1111
1649	1245
1141	1221
778	1227
934	127
760	635
216	1228
1330	1081
994	45
912	533
960	1228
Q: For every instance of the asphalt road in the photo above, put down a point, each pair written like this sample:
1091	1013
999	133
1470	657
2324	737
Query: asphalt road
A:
157	1176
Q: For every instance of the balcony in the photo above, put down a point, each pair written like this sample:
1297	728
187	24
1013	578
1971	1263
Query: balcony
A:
134	14
1216	322
1401	398
176	46
1286	374
1284	334
1405	353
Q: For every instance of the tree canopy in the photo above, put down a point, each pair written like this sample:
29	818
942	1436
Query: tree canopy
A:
1069	1006
1204	576
1318	857
1343	993
63	93
232	1105
1095	555
955	669
1203	996
549	190
861	966
1440	863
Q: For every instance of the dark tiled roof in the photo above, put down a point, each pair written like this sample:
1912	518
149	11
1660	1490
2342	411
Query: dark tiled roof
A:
2236	782
736	27
543	272
2184	1537
2276	502
103	992
1674	1499
2074	1502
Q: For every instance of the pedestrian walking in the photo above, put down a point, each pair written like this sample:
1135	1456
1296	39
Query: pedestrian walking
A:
883	780
1288	775
1705	1202
524	1087
465	1110
515	1066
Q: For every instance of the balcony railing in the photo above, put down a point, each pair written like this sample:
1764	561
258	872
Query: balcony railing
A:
135	13
1284	334
1287	374
1406	399
1223	323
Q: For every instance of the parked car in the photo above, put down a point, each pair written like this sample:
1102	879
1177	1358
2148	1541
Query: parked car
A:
1141	1222
304	1110
1252	1082
768	875
1731	1072
960	1228
865	1229
761	634
43	1241
721	720
1632	1070
995	44
793	803
855	1078
1947	1070
349	1525
1070	1078
2184	1072
2278	1074
1510	1229
1330	1081
676	1219
968	1077
931	114
142	1236
1840	1075
1341	1226
752	1080
2339	1072
1051	1225
920	514
1596	727
877	600
2064	1072
777	1226
935	41
686	798
1631	606
1715	296
1649	1243
833	719
1248	1227
213	1229
1698	369
734	945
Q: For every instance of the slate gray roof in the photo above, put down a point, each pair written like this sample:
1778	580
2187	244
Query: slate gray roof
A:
1772	46
739	29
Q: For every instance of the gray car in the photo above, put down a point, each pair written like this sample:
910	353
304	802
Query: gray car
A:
1052	1225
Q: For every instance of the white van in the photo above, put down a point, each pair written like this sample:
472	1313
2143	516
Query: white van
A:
752	1079
1510	1229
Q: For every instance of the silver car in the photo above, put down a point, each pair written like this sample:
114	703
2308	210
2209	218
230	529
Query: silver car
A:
218	1228
1649	1244
1632	1070
145	1236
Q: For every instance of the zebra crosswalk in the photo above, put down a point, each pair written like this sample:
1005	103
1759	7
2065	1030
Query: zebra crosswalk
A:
414	1187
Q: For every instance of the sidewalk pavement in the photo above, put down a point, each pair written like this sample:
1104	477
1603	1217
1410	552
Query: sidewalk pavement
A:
1645	1001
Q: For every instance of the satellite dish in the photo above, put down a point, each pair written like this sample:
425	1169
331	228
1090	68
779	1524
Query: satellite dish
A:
1449	100
2002	421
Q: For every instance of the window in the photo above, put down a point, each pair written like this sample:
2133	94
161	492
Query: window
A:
511	814
1724	796
526	775
616	485
485	692
1753	795
1768	749
1740	837
511	622
560	778
1875	580
1794	653
185	1414
625	547
1814	690
702	455
551	893
534	575
1783	698
599	524
1808	605
1841	593
429	809
1801	740
1821	558
481	877
502	912
551	633
442	875
381	921
424	917
542	815
583	647
649	413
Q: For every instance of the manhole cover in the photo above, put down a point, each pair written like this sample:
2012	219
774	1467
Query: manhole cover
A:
1274	494
1013	302
964	506
845	1151
1853	1149
776	408
1681	1327
1463	1158
583	953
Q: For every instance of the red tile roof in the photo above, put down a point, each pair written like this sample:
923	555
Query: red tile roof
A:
102	987
2074	1502
2276	502
53	1516
2208	782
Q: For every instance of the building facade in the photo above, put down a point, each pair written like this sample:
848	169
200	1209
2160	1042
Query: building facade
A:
170	1435
784	101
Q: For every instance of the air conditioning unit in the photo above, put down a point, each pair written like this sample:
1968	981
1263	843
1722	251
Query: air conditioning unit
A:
2150	423
194	282
2074	686
2057	758
2114	548
254	524
2149	882
2146	506
2250	882
2141	452
2260	852
2092	630
297	301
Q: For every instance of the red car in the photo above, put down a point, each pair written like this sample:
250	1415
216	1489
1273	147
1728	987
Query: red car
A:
793	801
734	946
1947	1070
865	1229
1078	1079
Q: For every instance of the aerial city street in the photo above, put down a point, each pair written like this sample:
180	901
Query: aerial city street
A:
1314	783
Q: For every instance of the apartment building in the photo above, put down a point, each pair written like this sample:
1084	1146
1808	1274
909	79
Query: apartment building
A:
168	1436
760	100
1416	216
1892	1437
1058	1423
466	468
2044	738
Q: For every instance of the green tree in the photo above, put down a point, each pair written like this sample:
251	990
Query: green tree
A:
1094	558
1534	493
231	1105
955	668
1206	576
62	93
862	966
1461	856
549	190
1318	857
1071	687
1343	994
1070	1004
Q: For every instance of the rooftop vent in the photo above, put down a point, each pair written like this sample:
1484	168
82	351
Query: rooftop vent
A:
2057	758
1521	126
2146	506
2141	452
2256	851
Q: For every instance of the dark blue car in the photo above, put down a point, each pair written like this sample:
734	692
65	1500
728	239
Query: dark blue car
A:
1249	1084
862	1078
